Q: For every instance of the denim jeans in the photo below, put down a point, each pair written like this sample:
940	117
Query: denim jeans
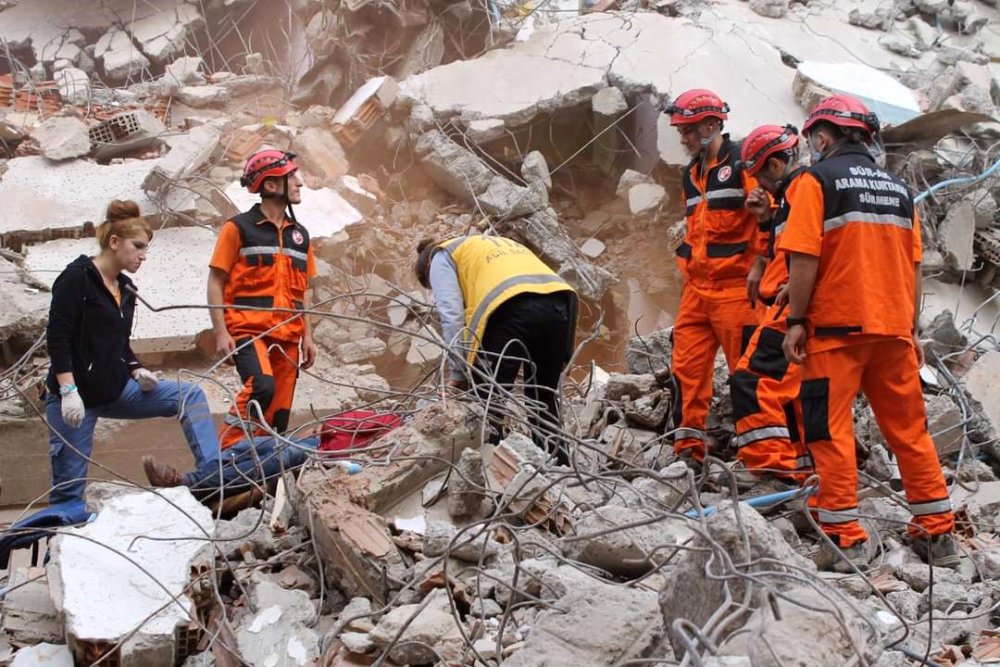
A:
248	463
167	399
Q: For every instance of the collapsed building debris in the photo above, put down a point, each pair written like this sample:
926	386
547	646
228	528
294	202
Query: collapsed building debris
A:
423	119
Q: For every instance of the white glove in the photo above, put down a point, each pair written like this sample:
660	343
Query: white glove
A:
147	379
72	409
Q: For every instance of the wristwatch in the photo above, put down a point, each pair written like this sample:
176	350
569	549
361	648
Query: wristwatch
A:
796	321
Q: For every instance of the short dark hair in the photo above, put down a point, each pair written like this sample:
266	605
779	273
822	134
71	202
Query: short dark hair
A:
422	267
851	135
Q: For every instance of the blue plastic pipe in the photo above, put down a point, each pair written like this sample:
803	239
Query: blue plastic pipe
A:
759	501
961	180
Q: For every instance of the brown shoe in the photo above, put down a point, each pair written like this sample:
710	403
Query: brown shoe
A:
159	474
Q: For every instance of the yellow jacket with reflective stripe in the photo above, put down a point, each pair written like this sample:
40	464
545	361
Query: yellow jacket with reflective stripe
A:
491	270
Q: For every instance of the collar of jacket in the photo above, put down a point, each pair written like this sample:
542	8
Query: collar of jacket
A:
850	149
86	264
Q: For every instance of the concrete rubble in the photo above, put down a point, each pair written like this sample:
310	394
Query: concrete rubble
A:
415	120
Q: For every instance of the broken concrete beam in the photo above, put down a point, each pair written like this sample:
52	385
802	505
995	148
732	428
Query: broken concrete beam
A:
461	173
203	97
605	625
543	233
62	138
112	586
278	631
467	487
29	617
746	538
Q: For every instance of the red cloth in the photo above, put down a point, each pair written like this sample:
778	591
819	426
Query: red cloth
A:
355	429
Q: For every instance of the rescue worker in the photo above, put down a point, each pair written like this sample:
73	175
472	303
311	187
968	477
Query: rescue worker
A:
262	261
503	309
720	260
853	237
765	386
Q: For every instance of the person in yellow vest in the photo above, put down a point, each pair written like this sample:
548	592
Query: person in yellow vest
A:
502	309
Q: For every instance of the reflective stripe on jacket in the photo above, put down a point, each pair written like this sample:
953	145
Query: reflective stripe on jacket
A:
861	223
272	271
491	270
722	239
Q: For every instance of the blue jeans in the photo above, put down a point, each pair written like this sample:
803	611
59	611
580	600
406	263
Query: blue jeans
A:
167	399
249	463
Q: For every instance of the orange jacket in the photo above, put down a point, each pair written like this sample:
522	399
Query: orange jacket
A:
861	223
722	238
268	267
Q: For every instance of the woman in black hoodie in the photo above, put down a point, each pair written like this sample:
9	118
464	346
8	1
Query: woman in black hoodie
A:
94	372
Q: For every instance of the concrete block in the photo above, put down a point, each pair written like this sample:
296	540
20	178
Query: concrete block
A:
110	584
29	617
645	198
62	138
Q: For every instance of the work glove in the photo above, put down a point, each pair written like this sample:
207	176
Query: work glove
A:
72	409
147	379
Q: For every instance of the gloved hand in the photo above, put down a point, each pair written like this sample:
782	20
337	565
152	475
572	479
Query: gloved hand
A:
72	409
147	379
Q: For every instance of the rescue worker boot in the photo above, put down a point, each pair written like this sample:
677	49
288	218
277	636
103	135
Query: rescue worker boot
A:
937	550
831	559
159	474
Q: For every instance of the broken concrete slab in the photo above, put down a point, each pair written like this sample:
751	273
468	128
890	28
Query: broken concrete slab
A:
119	55
893	102
29	617
591	623
626	552
162	36
278	629
731	539
175	268
112	585
50	655
419	634
956	233
62	138
835	632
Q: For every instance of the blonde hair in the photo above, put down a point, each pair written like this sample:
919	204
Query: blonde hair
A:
122	220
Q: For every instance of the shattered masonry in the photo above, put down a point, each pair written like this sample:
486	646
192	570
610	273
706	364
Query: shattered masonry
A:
419	120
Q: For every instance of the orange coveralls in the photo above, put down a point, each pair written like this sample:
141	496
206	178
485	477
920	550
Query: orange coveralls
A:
861	224
721	244
765	386
268	267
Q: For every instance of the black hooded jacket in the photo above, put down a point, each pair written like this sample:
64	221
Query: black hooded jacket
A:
88	333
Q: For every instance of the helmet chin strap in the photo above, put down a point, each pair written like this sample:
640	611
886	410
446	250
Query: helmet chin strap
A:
283	196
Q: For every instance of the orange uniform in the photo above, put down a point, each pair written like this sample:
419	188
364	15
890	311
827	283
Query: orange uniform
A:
861	224
765	386
721	245
268	267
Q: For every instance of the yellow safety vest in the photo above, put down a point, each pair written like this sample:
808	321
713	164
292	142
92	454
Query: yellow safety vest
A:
491	270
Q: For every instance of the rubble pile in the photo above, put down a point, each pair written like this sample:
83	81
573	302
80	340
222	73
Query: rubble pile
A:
415	120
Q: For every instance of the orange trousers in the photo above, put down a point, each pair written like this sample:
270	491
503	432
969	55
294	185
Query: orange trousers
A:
269	369
764	390
886	370
702	325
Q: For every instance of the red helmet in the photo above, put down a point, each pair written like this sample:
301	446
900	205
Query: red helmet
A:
266	164
764	142
694	105
843	111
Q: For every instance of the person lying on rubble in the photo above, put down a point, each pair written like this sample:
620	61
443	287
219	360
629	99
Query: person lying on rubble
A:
853	238
765	387
721	260
244	469
260	270
503	309
94	372
252	465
